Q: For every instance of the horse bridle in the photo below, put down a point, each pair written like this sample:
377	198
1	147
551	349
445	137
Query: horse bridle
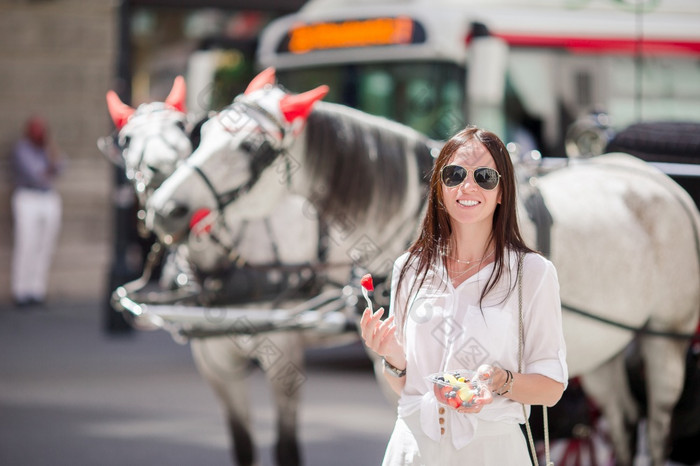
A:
261	152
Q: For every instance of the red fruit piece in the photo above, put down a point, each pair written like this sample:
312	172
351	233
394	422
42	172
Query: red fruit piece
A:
455	402
441	392
366	282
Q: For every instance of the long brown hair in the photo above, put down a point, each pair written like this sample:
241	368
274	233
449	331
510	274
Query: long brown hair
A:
437	228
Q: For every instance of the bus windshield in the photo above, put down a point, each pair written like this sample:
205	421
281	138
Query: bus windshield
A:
428	96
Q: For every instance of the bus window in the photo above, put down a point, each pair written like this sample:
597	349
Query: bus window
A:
664	88
376	93
231	77
428	96
558	87
420	101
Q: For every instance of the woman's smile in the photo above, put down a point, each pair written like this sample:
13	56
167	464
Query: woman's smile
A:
468	202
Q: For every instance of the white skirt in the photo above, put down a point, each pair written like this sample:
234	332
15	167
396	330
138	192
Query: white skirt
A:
494	444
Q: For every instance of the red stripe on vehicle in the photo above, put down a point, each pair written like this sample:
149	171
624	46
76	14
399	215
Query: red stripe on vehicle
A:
604	45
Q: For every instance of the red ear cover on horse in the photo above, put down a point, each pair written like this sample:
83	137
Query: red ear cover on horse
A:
176	98
300	105
118	110
263	78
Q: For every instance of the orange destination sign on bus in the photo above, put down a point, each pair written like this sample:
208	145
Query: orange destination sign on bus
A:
353	33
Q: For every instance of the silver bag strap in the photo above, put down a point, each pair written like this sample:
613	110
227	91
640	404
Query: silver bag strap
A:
521	339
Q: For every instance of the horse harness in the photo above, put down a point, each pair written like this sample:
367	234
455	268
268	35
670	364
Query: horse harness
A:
261	154
260	150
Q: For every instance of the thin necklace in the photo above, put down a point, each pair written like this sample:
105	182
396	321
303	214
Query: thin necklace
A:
463	272
470	268
460	261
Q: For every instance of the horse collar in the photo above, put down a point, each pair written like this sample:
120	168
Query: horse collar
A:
539	214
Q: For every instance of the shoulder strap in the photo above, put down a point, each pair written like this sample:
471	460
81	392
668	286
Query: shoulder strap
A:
521	341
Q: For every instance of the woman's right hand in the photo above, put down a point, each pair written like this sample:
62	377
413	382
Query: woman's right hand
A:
380	336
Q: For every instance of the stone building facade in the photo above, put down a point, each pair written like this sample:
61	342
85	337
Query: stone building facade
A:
57	58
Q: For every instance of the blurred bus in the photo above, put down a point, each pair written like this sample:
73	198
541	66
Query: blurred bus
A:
525	69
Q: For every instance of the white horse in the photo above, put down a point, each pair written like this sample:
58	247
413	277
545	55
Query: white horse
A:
624	237
241	262
151	140
366	175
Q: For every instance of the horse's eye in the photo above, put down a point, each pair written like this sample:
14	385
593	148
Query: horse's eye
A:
180	125
247	146
124	141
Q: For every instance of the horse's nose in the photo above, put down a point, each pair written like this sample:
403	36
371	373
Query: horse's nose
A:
157	176
169	221
154	169
174	210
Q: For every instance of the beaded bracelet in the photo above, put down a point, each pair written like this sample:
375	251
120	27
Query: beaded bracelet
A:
507	385
393	370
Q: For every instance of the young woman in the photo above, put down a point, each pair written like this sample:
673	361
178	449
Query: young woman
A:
455	305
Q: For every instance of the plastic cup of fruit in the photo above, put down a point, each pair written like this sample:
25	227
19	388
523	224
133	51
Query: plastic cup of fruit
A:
456	389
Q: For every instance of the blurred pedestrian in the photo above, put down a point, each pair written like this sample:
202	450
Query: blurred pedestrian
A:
36	209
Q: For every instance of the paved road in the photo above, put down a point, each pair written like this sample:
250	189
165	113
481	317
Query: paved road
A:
72	395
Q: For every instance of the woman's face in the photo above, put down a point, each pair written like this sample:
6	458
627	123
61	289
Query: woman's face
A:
36	131
468	203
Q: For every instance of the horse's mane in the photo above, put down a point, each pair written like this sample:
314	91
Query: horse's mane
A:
361	158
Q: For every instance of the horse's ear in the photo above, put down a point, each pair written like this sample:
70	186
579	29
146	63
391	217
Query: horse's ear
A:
300	105
264	78
176	98
118	110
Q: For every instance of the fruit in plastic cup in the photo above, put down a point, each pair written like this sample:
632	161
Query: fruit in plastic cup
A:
456	388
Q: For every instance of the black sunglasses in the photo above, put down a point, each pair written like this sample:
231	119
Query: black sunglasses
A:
453	175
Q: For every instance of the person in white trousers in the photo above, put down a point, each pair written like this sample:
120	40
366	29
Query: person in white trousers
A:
36	209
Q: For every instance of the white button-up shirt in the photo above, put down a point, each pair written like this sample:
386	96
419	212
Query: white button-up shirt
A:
443	328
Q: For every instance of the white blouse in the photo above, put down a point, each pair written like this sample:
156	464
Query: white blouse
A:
445	329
